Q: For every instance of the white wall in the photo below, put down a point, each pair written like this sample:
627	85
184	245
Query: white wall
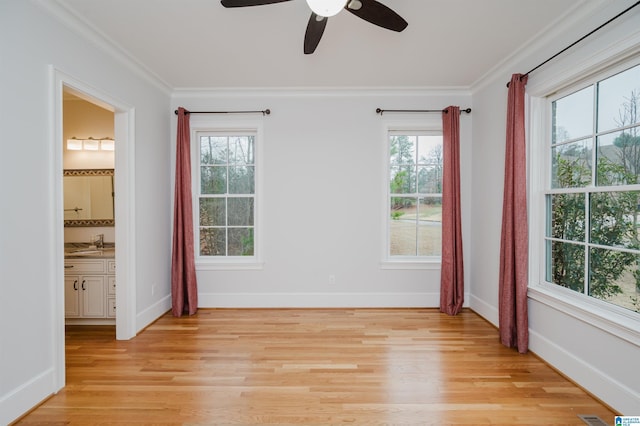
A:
30	42
595	359
84	120
324	188
323	195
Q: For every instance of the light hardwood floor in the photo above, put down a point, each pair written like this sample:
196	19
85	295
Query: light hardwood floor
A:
310	366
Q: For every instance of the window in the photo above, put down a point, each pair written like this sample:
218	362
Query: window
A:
226	195
414	212
592	221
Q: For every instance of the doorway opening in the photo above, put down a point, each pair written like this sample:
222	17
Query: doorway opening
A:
122	233
88	162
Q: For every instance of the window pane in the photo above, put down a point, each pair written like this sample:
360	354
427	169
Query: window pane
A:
402	150
213	180
226	218
241	150
213	150
240	242
242	180
430	150
571	164
613	276
212	212
618	100
572	116
567	265
594	248
567	216
240	211
614	219
430	179
402	227
430	227
402	180
213	242
619	158
415	167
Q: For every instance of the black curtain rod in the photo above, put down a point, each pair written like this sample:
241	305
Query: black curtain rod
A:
263	112
579	40
381	111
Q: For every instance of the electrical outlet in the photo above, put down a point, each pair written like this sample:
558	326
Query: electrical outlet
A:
153	289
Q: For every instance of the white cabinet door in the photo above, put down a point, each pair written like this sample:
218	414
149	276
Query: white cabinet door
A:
89	289
93	290
72	296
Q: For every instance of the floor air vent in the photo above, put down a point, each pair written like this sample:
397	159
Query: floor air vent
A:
592	420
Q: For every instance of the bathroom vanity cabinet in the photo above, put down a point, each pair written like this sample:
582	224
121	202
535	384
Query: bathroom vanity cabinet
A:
90	290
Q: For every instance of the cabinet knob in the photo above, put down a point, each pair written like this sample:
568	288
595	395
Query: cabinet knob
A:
83	288
75	285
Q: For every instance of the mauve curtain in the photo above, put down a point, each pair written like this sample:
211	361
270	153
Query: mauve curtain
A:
452	269
184	289
513	320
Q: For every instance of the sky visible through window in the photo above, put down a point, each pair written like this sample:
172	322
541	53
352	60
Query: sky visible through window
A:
613	93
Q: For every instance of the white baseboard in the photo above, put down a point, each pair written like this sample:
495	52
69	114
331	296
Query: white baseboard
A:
485	310
613	393
319	300
20	400
152	313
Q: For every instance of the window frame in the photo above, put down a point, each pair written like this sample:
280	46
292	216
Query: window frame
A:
618	321
430	125
225	126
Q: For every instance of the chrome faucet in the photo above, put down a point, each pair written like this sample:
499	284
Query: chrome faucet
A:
97	240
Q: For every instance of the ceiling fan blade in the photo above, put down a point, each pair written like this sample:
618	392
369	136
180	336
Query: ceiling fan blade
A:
243	3
377	13
315	28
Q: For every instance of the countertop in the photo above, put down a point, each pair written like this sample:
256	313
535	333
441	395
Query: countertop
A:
86	251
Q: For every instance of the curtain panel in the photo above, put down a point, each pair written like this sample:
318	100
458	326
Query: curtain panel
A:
452	269
184	288
512	309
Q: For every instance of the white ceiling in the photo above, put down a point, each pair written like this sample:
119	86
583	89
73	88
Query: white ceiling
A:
201	44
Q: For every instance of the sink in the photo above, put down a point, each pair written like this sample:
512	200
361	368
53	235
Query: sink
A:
83	249
84	252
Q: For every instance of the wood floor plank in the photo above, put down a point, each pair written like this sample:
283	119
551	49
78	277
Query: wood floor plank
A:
309	366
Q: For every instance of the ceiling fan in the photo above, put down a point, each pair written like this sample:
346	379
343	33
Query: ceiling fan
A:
369	10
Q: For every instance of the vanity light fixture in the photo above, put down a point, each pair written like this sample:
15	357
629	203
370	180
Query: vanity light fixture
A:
107	144
91	144
74	144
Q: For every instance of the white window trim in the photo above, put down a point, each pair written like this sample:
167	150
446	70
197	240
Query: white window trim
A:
432	123
608	317
215	123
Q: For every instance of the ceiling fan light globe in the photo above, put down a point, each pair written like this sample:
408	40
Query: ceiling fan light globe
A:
326	8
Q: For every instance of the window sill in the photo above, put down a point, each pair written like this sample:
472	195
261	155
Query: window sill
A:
411	264
229	266
617	321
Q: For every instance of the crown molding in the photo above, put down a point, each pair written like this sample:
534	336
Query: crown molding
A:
534	50
71	20
288	92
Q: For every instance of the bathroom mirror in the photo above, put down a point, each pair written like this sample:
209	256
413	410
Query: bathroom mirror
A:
88	197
